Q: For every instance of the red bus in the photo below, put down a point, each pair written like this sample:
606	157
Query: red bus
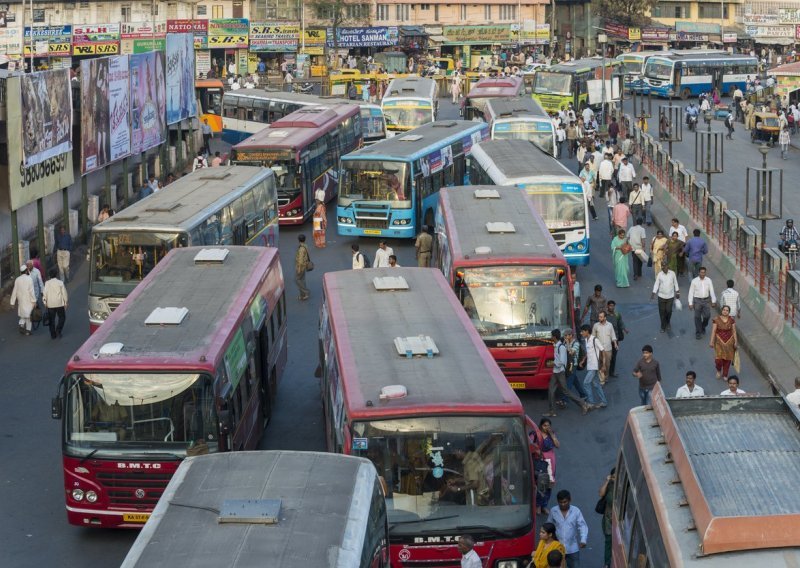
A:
188	364
408	383
508	273
303	149
473	105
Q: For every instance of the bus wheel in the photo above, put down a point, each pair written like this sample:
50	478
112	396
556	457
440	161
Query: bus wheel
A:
685	94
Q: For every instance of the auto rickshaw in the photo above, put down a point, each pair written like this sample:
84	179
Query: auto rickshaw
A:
766	128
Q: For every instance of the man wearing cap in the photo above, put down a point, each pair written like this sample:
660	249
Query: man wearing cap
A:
24	298
625	175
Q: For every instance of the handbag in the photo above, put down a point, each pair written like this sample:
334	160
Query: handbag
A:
36	314
737	363
309	266
600	508
625	248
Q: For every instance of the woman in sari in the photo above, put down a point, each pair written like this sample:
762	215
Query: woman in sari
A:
619	255
320	224
547	444
674	252
723	341
547	544
658	251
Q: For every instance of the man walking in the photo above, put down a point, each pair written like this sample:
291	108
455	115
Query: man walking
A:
382	255
730	298
302	262
62	250
424	246
667	290
701	300
621	214
558	378
469	558
637	237
55	300
206	135
604	331
604	173
24	298
38	283
648	371
571	528
647	191
636	201
595	304
591	382
615	318
625	176
695	249
359	261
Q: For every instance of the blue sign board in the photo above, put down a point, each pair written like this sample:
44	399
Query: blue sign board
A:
379	36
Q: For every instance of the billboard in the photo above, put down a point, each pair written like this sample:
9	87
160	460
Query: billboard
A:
274	37
29	183
181	102
363	37
228	33
105	112
101	39
47	111
48	41
148	100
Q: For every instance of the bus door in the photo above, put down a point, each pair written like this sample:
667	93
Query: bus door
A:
677	74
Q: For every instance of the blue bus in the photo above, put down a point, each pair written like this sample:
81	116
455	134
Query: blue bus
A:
556	192
390	189
687	73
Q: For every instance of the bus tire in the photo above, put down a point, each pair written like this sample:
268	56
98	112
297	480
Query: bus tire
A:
685	94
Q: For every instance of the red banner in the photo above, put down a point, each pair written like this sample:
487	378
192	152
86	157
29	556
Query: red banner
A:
187	26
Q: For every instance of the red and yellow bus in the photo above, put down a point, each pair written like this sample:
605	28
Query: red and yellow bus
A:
473	105
188	364
408	383
508	273
303	149
209	96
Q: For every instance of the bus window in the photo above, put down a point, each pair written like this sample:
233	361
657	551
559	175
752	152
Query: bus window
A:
260	197
226	229
229	109
637	556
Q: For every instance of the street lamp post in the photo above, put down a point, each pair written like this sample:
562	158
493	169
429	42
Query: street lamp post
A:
759	201
602	39
708	151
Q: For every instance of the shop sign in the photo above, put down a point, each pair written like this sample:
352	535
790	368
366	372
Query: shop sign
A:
274	37
202	61
186	26
615	29
11	41
697	28
534	33
789	15
153	44
142	30
228	33
478	34
314	41
378	36
687	36
729	37
634	34
755	19
101	48
655	34
101	33
771	31
48	41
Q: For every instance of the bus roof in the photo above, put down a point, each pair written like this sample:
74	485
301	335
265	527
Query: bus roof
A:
416	143
294	98
467	212
737	460
581	65
298	129
185	199
496	86
516	160
462	378
215	295
324	506
515	107
411	86
693	54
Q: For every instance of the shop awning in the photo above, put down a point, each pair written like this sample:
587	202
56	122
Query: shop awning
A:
413	31
437	39
774	40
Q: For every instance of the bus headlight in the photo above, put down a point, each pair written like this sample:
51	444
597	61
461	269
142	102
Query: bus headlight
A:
580	246
98	315
91	496
77	494
401	221
346	220
508	564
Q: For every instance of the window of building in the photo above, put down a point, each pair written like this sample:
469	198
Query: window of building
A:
711	11
463	8
38	15
238	9
487	12
508	12
402	12
425	6
436	13
85	5
382	12
202	10
125	13
357	11
670	10
217	12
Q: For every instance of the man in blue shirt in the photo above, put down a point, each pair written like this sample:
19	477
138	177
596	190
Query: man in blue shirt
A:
571	528
695	249
62	252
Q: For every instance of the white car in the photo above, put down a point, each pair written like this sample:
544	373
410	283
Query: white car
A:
531	69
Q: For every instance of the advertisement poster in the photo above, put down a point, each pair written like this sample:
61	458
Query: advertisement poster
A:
105	120
47	115
48	41
101	39
274	38
229	33
181	102
364	37
148	101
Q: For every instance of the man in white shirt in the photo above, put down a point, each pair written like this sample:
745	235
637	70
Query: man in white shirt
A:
36	276
625	175
605	333
637	237
793	398
587	114
647	191
730	298
701	300
55	300
591	382
561	137
605	172
358	258
667	290
680	229
382	255
733	387
690	389
469	558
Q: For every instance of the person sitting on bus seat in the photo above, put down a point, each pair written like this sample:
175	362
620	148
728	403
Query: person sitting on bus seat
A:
395	189
110	418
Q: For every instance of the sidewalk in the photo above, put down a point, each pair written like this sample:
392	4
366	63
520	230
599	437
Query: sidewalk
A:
776	364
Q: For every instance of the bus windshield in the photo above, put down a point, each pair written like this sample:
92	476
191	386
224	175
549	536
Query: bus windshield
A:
121	260
374	180
287	178
555	83
450	472
372	123
658	69
140	412
409	114
631	65
560	210
529	130
522	303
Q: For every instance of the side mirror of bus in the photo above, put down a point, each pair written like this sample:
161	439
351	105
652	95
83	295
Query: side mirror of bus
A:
55	408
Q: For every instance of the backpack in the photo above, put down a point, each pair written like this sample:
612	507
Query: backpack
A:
581	354
367	261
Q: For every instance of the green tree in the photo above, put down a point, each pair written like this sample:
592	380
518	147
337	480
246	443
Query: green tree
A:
627	12
337	13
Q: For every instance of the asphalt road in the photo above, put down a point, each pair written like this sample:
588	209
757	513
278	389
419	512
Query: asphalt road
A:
34	531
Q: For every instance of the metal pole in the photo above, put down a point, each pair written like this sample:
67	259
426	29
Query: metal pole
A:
708	157
30	69
40	232
107	172
65	212
85	209
14	242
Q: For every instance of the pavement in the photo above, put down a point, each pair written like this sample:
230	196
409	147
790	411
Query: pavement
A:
35	532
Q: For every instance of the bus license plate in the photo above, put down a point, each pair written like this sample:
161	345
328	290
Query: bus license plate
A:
136	517
517	385
372	231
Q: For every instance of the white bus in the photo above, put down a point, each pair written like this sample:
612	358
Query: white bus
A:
687	73
633	67
410	102
522	118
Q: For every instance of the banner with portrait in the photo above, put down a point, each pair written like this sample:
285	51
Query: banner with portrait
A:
181	101
148	101
47	115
